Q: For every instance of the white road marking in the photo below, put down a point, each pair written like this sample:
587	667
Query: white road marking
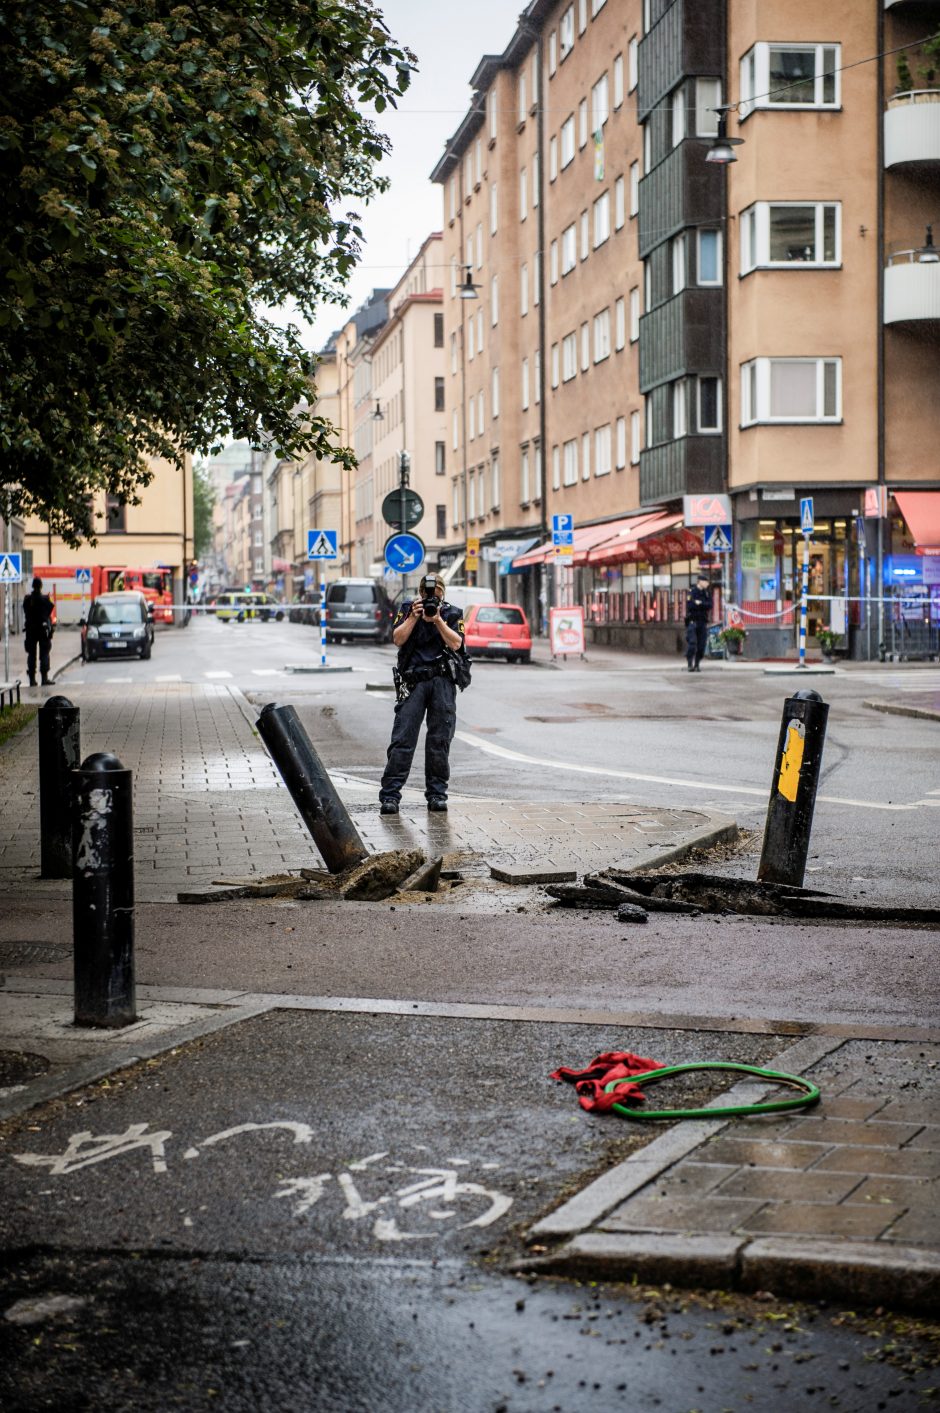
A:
266	672
117	680
490	748
217	675
169	677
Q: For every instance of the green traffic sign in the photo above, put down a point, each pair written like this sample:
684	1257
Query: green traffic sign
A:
402	508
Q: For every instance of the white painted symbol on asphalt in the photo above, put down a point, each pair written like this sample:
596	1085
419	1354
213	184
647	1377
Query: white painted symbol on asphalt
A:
303	1133
84	1150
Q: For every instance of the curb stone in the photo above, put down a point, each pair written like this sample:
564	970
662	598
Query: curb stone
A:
892	709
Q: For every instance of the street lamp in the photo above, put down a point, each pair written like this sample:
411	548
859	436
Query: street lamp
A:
928	253
378	415
722	149
468	290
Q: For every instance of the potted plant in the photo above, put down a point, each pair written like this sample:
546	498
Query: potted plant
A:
731	639
828	641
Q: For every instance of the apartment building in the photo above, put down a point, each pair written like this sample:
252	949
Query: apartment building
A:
763	329
353	421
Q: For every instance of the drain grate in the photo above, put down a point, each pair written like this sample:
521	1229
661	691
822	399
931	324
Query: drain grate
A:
13	954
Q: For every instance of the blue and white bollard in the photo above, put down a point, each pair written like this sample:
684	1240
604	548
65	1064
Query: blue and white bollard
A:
323	623
804	591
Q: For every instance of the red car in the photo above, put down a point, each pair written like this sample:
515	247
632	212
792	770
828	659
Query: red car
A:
498	630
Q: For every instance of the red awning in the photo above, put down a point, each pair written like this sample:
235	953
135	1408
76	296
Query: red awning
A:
921	510
585	538
656	538
281	566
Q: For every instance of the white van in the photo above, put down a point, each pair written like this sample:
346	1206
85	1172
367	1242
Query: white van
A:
463	595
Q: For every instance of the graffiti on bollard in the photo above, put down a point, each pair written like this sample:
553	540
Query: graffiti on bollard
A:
103	893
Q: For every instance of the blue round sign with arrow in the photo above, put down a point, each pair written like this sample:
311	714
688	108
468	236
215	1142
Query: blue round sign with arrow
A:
403	553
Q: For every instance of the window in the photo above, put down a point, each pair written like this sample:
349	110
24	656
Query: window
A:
471	496
438	331
538	376
602	336
441	522
621	443
647	147
553	262
494	482
453	278
537	277
479	247
582	123
480	408
597	6
554	365
586	456
618	80
494	304
454	440
634	314
707	100
601	219
648	283
585	346
535	77
790	76
471	340
620	214
552	159
634	438
520	89
677	246
679	426
556	468
791	390
453	353
480	330
537	488
494	399
116	516
709	405
452	186
620	323
455	504
469	250
632	67
438	394
634	188
790	234
582	16
552	53
259	564
471	419
524	290
477	162
569	248
524	476
567	141
467	174
566	32
600	104
535	180
494	220
569	357
491	112
257	538
440	459
602	451
523	193
678	118
708	257
571	463
585	223
525	384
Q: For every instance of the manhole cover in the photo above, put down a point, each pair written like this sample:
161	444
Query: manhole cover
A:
13	954
17	1067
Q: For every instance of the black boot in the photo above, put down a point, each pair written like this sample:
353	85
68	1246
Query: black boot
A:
32	679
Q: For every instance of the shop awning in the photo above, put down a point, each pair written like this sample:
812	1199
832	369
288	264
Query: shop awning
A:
281	566
921	510
585	539
656	537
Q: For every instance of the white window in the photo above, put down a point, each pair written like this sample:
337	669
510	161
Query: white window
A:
566	32
582	16
491	111
452	185
620	323
569	357
602	451
471	496
586	456
494	398
453	277
634	188
601	219
567	141
453	353
597	6
524	476
535	76
571	463
621	443
790	234
479	247
538	471
569	248
556	468
537	277
647	16
632	67
524	290
585	223
647	147
679	394
585	346
480	330
455	504
494	220
708	405
454	429
648	284
494	302
553	262
469	250
790	76
525	384
677	246
552	159
494	482
600	104
620	214
520	90
678	117
791	390
537	377
634	438
555	365
618	80
480	418
552	53
708	257
601	335
468	173
707	101
634	314
471	419
471	339
535	180
523	193
477	162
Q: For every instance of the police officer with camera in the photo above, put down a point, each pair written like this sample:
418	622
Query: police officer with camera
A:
427	632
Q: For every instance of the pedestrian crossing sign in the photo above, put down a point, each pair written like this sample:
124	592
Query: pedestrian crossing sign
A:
11	568
83	576
717	539
321	544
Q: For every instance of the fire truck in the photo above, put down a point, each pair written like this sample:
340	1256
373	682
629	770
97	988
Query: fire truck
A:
72	598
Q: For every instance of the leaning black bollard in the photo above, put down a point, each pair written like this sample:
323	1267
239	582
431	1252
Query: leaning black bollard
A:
793	792
312	790
59	755
103	893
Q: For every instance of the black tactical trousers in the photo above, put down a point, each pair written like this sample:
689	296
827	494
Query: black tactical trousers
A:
43	643
696	641
436	700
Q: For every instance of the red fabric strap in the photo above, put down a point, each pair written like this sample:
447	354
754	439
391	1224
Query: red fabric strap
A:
590	1083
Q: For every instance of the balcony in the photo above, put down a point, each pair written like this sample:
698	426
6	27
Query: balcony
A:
912	287
684	335
912	129
684	190
686	466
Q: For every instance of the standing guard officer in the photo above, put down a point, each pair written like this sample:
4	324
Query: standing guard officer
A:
698	607
423	631
37	613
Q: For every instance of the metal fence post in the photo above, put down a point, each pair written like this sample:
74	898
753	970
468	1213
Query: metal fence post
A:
59	754
793	791
103	893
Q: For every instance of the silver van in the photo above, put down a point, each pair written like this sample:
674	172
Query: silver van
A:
357	608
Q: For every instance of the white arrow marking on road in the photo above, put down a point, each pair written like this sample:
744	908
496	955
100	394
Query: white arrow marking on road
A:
490	748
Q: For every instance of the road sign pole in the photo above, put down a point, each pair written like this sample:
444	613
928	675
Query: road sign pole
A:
7	590
804	591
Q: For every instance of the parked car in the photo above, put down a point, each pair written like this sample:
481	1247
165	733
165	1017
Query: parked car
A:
497	630
265	607
231	604
357	608
306	609
117	623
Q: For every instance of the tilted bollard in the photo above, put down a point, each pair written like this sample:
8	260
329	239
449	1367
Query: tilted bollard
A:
59	754
311	788
103	893
793	792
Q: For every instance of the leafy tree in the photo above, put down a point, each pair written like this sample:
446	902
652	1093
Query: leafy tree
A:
204	499
167	169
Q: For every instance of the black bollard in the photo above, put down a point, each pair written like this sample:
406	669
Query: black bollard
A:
311	788
103	893
59	754
793	792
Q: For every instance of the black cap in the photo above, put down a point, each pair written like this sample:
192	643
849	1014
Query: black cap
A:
37	582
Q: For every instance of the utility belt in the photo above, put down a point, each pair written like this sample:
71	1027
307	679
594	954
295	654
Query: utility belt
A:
405	682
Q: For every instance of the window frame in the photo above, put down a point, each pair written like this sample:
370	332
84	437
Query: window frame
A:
601	219
756	376
755	82
603	443
566	33
567	142
700	426
569	249
755	224
569	357
570	468
719	280
601	335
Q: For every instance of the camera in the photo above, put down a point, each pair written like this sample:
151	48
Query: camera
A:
429	606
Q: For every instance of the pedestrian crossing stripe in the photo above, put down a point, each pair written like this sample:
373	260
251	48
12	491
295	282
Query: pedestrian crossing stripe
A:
10	569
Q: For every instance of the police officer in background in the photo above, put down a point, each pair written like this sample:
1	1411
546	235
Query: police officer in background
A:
37	613
698	608
423	631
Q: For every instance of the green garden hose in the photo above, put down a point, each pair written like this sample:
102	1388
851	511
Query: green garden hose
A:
775	1106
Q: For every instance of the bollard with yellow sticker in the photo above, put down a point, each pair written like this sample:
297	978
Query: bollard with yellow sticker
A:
793	792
